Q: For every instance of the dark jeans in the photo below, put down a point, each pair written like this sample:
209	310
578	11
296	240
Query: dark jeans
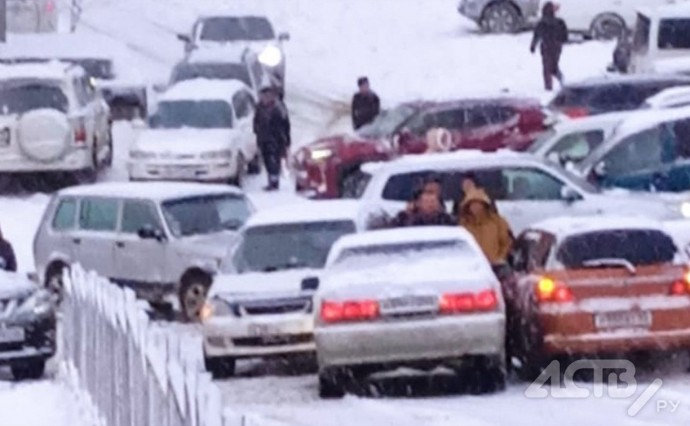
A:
502	271
272	156
551	68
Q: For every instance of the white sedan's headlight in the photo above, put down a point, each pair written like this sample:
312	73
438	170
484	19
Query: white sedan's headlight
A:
320	154
137	154
271	56
215	308
215	155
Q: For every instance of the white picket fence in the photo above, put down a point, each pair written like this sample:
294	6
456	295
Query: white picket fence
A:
132	371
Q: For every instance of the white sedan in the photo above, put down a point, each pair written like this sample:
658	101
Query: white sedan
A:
379	309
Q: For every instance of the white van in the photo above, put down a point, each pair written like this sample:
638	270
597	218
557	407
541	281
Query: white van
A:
660	40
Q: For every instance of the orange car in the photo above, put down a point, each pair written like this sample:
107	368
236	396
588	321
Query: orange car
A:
595	286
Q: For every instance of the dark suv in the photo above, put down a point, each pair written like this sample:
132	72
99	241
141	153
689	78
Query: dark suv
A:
329	167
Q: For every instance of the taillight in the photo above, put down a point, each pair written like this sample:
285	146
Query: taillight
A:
549	290
349	310
681	287
80	133
457	303
576	112
50	6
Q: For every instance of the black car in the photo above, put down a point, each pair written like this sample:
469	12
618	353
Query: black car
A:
27	326
612	93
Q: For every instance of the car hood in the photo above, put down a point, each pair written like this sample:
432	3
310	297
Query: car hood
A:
260	285
14	285
184	141
657	206
337	142
214	245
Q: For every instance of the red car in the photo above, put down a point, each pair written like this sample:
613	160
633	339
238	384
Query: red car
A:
329	167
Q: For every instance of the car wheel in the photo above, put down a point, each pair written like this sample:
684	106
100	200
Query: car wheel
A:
607	26
330	385
28	371
220	368
351	184
240	171
90	174
192	295
254	166
501	18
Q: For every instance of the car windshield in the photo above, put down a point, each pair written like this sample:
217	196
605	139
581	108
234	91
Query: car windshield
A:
286	246
376	255
211	71
637	246
97	68
236	28
542	141
21	98
387	122
206	214
195	114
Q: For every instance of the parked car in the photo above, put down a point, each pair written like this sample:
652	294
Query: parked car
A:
505	16
378	309
526	188
649	154
53	121
675	97
262	305
201	131
28	334
591	286
600	95
329	167
103	61
164	240
254	32
32	16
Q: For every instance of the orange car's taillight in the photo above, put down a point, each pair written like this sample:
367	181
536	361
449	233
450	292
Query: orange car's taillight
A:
681	287
549	290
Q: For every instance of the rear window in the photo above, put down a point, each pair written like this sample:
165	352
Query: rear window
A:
639	247
22	98
377	255
236	28
674	34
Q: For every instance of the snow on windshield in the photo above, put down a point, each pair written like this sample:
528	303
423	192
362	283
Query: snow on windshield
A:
196	114
236	29
205	215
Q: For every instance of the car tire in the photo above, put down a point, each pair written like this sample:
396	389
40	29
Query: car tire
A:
330	385
501	18
31	370
220	368
192	295
351	183
254	166
90	174
240	172
607	26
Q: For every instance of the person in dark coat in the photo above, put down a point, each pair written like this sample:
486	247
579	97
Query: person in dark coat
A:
424	211
8	261
550	33
272	129
365	104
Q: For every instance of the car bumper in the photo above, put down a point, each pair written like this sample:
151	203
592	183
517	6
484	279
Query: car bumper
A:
38	342
220	171
423	339
265	336
74	160
316	179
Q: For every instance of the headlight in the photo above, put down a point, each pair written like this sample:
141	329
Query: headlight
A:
213	155
271	56
215	308
320	154
141	155
40	303
685	209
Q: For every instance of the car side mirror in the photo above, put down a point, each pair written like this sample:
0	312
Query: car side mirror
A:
148	232
284	36
184	38
554	157
569	195
600	169
310	284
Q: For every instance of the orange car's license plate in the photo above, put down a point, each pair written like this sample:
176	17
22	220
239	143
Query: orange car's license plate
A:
623	319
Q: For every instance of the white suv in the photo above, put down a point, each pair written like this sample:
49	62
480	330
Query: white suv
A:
52	120
201	131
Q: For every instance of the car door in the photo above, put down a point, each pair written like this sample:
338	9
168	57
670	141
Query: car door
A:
137	259
94	239
243	104
59	244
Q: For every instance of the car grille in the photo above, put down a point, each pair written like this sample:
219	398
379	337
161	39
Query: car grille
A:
293	339
277	306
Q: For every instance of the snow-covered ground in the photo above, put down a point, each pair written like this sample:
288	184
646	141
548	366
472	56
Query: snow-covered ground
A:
410	50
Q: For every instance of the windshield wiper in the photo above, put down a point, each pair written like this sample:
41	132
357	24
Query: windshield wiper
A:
612	261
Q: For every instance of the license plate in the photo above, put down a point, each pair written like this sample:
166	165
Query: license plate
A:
409	303
623	319
261	330
11	335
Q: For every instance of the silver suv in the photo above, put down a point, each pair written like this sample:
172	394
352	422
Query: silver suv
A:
500	16
160	239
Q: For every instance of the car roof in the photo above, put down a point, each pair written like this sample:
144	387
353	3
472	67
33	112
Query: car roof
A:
158	191
568	226
668	95
203	89
224	53
680	10
473	101
306	212
402	235
607	80
53	70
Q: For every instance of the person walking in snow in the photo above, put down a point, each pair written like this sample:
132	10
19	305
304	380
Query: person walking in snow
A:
8	261
365	104
550	33
272	129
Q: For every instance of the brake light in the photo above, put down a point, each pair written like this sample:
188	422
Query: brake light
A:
576	112
350	310
80	133
455	303
549	290
681	287
50	6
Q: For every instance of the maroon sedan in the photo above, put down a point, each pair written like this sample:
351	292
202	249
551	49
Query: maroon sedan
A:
329	167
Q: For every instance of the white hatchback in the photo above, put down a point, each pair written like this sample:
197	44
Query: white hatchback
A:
201	131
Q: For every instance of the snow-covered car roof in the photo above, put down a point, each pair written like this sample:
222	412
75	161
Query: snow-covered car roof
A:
679	10
203	89
669	96
225	53
47	71
12	283
567	226
148	190
401	235
308	211
626	79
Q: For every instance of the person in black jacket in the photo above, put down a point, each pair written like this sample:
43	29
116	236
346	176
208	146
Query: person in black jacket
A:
365	104
551	33
8	261
272	129
424	210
